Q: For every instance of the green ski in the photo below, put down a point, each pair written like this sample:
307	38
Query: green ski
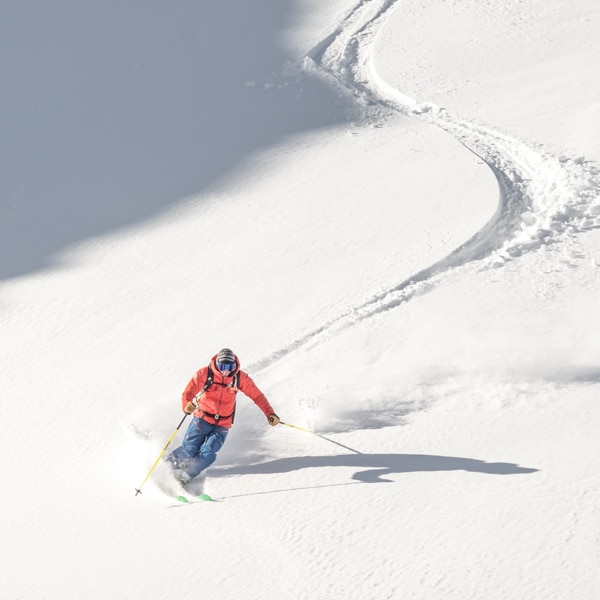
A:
192	499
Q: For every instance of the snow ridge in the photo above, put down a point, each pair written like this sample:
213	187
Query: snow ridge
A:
544	199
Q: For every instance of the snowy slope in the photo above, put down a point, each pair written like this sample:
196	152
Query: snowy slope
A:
390	211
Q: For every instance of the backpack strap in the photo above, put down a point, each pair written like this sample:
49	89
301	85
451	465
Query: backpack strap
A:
209	379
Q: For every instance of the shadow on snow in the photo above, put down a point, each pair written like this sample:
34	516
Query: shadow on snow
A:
115	111
374	468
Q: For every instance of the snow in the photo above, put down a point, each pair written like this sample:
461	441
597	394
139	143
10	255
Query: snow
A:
389	210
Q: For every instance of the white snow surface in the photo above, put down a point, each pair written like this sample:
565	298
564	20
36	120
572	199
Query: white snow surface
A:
389	210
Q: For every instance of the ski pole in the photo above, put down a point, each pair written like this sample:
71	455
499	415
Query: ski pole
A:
139	490
295	427
321	436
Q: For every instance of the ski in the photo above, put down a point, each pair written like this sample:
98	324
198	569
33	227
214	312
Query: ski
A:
194	499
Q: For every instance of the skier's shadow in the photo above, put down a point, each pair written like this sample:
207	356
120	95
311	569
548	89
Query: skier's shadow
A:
374	468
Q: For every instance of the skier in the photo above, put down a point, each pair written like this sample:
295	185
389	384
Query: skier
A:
210	395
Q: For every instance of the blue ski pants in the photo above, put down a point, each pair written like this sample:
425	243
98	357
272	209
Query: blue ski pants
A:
199	448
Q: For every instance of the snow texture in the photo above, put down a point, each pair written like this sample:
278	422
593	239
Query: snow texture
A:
389	210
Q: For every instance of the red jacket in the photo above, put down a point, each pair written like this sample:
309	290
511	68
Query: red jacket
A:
219	399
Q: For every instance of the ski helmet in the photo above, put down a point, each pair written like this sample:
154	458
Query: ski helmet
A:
225	356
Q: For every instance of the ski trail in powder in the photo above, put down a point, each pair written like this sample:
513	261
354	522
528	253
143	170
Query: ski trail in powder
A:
544	199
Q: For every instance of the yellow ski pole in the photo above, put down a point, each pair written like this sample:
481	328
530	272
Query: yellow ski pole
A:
321	436
139	490
295	427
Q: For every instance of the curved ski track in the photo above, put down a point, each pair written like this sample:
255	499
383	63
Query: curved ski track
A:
543	198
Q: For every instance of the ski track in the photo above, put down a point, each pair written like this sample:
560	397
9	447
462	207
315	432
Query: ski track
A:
544	199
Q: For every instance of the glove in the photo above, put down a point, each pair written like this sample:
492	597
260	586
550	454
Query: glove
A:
189	408
273	420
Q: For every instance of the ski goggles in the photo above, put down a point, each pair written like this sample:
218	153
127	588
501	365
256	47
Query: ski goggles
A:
225	366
